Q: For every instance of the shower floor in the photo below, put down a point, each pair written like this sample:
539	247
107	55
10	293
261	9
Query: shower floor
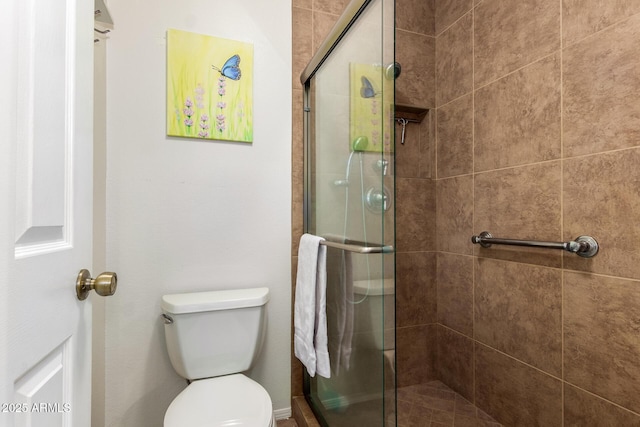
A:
434	404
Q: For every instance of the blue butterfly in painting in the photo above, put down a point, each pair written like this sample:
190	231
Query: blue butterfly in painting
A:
367	90
230	68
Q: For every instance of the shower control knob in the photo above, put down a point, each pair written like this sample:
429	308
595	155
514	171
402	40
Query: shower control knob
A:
377	200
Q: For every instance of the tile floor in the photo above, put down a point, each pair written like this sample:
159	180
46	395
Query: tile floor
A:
433	404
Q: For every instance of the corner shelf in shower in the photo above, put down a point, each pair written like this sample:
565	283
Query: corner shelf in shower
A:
405	114
410	112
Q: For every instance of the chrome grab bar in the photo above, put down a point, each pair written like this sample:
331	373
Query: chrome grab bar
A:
584	246
358	248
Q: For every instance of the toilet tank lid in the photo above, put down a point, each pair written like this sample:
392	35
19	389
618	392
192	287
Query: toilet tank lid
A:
195	302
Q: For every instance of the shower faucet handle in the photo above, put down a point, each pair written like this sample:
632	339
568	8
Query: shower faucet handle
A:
377	200
382	165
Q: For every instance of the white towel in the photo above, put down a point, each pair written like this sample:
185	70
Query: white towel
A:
345	314
310	312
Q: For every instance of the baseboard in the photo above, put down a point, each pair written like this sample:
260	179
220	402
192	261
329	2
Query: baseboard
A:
282	414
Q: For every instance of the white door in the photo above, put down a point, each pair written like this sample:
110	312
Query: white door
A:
46	103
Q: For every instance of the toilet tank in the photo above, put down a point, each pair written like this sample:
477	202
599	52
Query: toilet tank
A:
214	333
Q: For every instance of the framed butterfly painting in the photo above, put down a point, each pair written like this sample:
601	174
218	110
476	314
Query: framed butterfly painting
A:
209	87
370	108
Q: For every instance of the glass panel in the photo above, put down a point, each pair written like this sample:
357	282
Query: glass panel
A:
350	199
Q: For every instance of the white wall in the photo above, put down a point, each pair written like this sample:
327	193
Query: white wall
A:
190	215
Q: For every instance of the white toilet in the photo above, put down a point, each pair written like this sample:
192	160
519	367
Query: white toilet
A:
211	338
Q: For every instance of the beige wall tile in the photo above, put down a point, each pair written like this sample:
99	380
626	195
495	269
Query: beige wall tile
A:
454	214
517	118
608	184
415	355
512	33
301	44
455	137
455	292
416	84
518	311
417	16
601	346
297	374
514	393
600	92
335	7
415	214
415	288
585	409
448	11
305	4
520	203
581	18
297	171
322	25
454	362
454	61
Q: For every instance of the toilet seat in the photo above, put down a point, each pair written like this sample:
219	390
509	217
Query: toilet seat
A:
232	400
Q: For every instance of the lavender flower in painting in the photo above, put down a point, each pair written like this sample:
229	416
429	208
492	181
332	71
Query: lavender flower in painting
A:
221	86
204	126
220	122
188	111
220	117
375	137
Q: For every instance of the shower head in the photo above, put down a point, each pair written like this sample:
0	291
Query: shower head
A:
360	143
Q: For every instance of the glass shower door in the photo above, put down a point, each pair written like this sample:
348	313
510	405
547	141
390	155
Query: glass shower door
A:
349	200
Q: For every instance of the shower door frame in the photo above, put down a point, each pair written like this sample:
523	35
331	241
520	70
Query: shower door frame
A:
348	18
351	13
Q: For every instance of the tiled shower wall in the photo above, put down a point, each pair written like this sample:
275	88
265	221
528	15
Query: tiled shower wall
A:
537	124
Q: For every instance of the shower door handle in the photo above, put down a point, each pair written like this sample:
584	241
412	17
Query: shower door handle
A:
359	249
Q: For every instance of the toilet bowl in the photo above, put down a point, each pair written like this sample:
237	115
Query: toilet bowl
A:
232	400
212	337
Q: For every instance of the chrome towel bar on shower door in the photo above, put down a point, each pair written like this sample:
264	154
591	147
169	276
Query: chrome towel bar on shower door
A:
357	248
584	246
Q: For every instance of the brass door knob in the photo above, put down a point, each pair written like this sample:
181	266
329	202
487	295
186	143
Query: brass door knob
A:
104	285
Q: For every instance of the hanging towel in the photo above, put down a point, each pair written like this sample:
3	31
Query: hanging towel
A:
345	316
310	312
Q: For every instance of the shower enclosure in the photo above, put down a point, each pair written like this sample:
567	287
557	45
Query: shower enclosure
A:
349	200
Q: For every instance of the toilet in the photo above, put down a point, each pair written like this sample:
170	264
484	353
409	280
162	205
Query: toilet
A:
212	337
